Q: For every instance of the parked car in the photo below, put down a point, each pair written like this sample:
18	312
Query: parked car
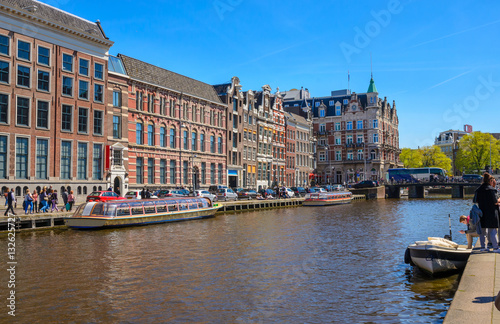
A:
226	194
472	177
103	196
337	187
327	187
247	194
299	191
172	193
136	194
215	189
286	192
204	193
365	184
268	193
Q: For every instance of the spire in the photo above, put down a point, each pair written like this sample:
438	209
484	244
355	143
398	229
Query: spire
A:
372	87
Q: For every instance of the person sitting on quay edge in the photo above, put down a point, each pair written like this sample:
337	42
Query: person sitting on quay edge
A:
485	197
471	232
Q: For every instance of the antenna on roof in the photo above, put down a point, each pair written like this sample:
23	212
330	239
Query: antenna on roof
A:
348	81
371	65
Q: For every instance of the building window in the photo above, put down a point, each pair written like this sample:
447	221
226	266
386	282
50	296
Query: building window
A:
194	139
22	158
151	135
98	120
84	67
322	156
43	80
4	108
360	155
97	162
172	171
151	170
338	155
185	168
359	124
82	161
219	144
338	140
23	50
202	142
203	173
42	154
322	127
373	155
83	120
138	134
349	139
43	56
375	123
139	165
162	136
359	139
151	103
3	157
23	111
98	71
350	156
172	137
172	108
4	45
185	139
67	84
83	90
67	63
117	157
317	103
212	144
163	170
4	72
117	127
66	118
212	173
349	125
220	173
321	113
23	76
138	100
375	138
117	100
98	92
66	160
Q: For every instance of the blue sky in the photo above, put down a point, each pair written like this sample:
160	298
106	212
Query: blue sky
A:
439	60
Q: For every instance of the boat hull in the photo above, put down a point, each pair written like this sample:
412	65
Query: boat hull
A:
106	222
326	202
436	259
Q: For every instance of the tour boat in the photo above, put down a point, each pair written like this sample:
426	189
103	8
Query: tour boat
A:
437	255
119	213
327	198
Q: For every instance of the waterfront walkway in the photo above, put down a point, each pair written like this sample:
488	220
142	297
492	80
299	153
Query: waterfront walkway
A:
475	297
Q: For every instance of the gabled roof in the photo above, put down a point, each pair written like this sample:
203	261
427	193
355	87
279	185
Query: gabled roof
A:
167	79
51	15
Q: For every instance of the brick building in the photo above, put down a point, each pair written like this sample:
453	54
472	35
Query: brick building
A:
299	150
52	98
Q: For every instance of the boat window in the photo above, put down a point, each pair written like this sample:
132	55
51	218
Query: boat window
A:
136	208
149	207
172	206
161	207
204	203
109	210
183	206
123	211
193	204
98	210
79	211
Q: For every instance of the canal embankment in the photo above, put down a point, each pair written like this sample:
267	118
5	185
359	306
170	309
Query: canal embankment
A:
475	297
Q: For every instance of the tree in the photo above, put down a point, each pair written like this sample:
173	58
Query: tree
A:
411	158
432	156
474	152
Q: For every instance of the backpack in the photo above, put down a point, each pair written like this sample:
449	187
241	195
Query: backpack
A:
475	218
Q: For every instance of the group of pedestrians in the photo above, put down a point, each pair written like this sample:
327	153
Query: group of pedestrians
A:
40	202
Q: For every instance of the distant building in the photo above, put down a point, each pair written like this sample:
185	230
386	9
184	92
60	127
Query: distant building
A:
448	142
357	134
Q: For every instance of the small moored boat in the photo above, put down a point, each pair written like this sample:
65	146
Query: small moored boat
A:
327	198
437	255
119	213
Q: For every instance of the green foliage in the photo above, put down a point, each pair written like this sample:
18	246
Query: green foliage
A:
428	156
473	155
411	158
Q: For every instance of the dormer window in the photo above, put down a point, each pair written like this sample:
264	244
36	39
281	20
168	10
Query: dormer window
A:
322	113
346	101
317	103
354	107
337	111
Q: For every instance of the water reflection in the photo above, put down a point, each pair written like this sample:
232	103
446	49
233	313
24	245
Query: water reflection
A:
315	265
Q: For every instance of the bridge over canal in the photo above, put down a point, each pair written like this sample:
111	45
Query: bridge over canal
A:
417	190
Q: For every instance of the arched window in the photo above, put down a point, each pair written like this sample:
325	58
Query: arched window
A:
162	136
194	139
151	135
202	142
212	144
219	144
138	133
84	190
172	137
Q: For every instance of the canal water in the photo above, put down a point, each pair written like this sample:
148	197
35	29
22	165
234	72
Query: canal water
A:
337	264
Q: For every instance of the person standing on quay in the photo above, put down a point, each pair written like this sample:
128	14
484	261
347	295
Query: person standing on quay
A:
28	203
53	197
71	200
487	200
11	198
35	201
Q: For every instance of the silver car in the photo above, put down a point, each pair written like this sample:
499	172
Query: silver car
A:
226	194
204	193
